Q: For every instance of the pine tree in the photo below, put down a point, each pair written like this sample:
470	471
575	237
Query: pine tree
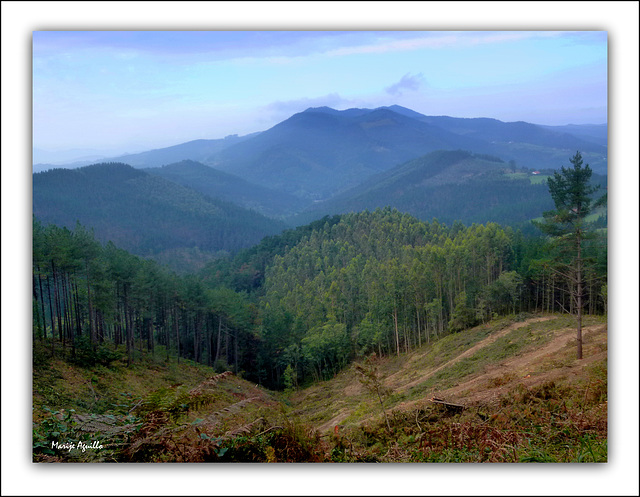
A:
567	225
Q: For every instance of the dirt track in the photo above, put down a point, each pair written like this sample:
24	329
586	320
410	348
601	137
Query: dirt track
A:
553	360
396	384
526	368
530	368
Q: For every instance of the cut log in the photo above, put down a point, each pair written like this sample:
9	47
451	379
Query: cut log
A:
456	408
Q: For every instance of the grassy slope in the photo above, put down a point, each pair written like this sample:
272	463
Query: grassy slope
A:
517	375
527	399
153	411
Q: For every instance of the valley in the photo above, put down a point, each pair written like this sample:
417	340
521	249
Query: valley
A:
367	285
316	163
224	418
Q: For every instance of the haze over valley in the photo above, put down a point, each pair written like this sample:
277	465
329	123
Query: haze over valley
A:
318	162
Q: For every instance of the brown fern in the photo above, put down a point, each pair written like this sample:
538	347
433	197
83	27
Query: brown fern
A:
209	382
246	429
225	411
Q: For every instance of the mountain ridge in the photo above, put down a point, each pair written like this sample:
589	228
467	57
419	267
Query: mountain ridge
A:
323	158
587	138
314	153
145	214
450	186
229	187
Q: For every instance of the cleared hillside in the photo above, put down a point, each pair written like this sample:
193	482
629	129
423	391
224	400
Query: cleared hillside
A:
475	368
510	390
156	410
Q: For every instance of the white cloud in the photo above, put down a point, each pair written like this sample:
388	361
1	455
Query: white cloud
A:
407	82
440	40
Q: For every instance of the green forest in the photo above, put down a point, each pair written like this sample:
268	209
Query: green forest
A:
300	306
145	214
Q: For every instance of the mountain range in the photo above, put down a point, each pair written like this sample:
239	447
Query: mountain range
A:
318	162
324	139
447	185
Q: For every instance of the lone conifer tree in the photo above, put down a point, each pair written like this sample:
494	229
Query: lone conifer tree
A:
572	192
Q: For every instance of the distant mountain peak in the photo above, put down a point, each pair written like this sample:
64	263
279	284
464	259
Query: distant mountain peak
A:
323	110
351	112
358	110
402	110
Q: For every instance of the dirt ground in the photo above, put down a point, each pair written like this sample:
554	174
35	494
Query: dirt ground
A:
554	360
395	384
526	368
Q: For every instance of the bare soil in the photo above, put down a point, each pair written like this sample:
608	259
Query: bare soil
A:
394	380
532	368
553	361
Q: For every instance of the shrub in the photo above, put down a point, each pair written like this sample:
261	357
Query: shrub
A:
463	316
88	354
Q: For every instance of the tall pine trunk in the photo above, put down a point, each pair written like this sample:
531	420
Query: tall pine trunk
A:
579	295
92	328
36	309
219	338
56	302
44	317
176	329
53	322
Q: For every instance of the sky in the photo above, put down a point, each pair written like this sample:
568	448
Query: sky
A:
116	92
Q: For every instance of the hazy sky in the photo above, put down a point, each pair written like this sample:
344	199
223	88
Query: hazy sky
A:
135	90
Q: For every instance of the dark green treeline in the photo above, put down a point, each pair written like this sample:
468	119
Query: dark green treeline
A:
299	306
90	295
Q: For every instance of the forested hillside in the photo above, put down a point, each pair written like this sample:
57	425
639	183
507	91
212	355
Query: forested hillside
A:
316	153
449	186
530	145
300	306
245	250
319	152
89	295
368	323
385	282
230	188
142	213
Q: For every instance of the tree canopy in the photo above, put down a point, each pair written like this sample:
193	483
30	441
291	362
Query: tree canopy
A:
300	306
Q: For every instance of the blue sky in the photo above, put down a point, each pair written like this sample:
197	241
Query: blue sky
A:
126	91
